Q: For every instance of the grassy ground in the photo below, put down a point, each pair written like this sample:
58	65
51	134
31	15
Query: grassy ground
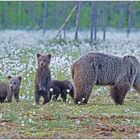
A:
100	118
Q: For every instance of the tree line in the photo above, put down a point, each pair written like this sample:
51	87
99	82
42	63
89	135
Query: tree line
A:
65	15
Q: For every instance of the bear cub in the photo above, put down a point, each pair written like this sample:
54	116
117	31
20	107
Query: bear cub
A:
42	78
62	88
10	89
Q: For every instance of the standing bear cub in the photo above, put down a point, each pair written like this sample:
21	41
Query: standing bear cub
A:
10	89
101	69
42	78
62	88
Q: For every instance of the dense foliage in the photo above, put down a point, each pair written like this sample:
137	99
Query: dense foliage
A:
51	14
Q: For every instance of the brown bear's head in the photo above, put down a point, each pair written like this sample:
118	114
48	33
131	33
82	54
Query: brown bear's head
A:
68	84
14	82
43	60
81	98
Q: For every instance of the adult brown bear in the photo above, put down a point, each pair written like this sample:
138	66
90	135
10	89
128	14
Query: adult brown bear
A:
101	69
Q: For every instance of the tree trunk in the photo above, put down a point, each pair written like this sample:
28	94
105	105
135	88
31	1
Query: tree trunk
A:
64	31
93	21
44	16
104	22
121	10
65	11
19	13
66	21
30	5
4	15
131	17
77	19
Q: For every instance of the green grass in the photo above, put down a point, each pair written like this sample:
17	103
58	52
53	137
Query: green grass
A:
100	118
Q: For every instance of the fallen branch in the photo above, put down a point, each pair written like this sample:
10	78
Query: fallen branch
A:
66	20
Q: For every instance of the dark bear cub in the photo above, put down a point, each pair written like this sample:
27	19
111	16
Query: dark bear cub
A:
10	89
61	88
42	78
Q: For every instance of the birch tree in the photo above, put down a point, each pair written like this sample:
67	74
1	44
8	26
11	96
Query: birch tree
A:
77	19
44	6
93	20
104	21
131	17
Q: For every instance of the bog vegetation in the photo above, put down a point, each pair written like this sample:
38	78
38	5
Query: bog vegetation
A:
51	14
67	30
64	16
100	118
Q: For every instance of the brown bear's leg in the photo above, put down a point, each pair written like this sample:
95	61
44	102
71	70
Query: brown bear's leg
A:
64	97
137	87
36	94
55	97
82	94
85	101
9	97
118	93
1	99
16	96
71	94
83	81
84	77
56	92
47	97
136	84
37	98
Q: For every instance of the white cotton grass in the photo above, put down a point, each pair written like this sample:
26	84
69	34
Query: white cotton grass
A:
0	116
83	99
139	135
30	120
77	121
33	113
69	102
51	89
68	91
19	117
19	49
22	123
79	102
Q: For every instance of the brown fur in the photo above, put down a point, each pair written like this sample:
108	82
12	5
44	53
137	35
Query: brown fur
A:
101	69
62	88
42	78
10	89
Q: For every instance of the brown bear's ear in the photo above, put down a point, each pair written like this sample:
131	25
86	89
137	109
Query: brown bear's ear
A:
9	77
49	56
38	55
19	78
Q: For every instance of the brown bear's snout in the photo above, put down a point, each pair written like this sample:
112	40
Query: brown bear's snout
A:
42	64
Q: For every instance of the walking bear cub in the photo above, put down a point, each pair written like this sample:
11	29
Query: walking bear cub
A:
10	89
121	73
62	88
42	78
